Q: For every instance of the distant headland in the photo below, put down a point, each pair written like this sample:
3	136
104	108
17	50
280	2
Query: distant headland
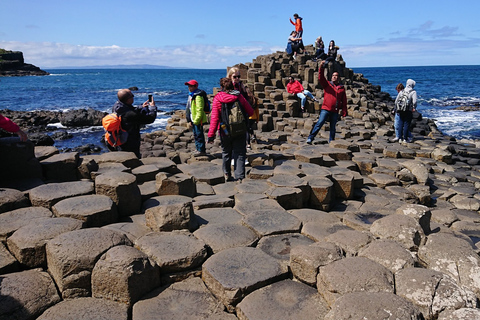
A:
13	65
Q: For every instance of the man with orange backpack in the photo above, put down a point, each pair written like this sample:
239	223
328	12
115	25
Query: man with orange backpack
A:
132	117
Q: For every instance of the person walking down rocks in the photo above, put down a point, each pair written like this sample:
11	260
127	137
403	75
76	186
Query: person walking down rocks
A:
334	101
196	116
10	126
296	88
133	117
409	95
233	144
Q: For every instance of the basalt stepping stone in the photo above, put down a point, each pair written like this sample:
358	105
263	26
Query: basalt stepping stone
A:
309	155
162	163
402	193
71	257
177	184
44	152
87	308
27	244
225	236
15	219
283	300
11	199
109	167
287	197
205	172
361	221
261	172
48	195
128	159
26	294
61	167
432	291
252	186
247	208
444	216
389	254
122	188
248	197
403	229
214	201
319	230
460	314
173	251
306	259
419	212
146	172
133	229
8	263
272	221
167	213
373	305
383	180
313	215
209	216
187	299
351	241
124	274
94	210
148	190
454	256
279	246
343	184
233	273
322	192
351	275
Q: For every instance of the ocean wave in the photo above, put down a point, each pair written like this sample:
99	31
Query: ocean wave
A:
454	101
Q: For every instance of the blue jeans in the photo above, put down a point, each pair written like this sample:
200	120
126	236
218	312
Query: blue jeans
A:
236	149
404	124
399	128
303	95
324	114
199	137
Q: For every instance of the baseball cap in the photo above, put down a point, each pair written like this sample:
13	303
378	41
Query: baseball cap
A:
191	83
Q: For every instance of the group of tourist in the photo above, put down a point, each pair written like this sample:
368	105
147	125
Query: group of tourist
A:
236	101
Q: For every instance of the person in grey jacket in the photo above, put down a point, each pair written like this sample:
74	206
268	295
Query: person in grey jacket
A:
406	116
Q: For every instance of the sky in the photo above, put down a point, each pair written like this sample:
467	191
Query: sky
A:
213	34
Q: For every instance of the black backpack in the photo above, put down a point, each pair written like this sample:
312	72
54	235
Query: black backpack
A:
234	118
206	103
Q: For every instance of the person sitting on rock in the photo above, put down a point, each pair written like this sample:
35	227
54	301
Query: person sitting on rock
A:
319	49
332	52
293	44
10	126
296	88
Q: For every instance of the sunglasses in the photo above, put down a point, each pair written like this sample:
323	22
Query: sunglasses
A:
236	77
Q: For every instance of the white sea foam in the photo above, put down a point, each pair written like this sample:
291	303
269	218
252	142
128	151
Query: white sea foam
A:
57	125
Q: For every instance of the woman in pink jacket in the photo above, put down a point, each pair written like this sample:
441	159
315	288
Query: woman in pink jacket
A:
232	147
10	126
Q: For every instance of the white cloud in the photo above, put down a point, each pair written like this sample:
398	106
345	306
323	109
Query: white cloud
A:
51	55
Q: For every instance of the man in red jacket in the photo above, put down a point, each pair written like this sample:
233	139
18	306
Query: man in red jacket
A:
334	101
296	88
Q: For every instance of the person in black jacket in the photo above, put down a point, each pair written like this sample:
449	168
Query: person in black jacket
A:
133	117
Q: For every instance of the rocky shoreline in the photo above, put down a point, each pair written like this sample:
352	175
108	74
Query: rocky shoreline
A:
357	228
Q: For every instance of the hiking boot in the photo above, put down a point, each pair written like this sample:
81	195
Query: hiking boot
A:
309	141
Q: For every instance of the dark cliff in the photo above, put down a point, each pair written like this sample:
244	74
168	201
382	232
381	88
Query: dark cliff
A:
12	64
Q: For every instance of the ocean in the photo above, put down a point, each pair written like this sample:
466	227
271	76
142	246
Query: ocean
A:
440	90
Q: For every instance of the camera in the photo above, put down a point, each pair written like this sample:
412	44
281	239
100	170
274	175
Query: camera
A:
150	98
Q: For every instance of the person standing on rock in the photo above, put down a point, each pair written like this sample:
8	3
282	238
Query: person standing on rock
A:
132	118
233	147
296	88
298	29
10	126
196	116
407	115
334	101
396	121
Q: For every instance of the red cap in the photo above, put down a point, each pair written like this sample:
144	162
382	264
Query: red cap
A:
191	83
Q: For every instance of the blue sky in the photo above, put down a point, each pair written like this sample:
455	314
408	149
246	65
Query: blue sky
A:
216	34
